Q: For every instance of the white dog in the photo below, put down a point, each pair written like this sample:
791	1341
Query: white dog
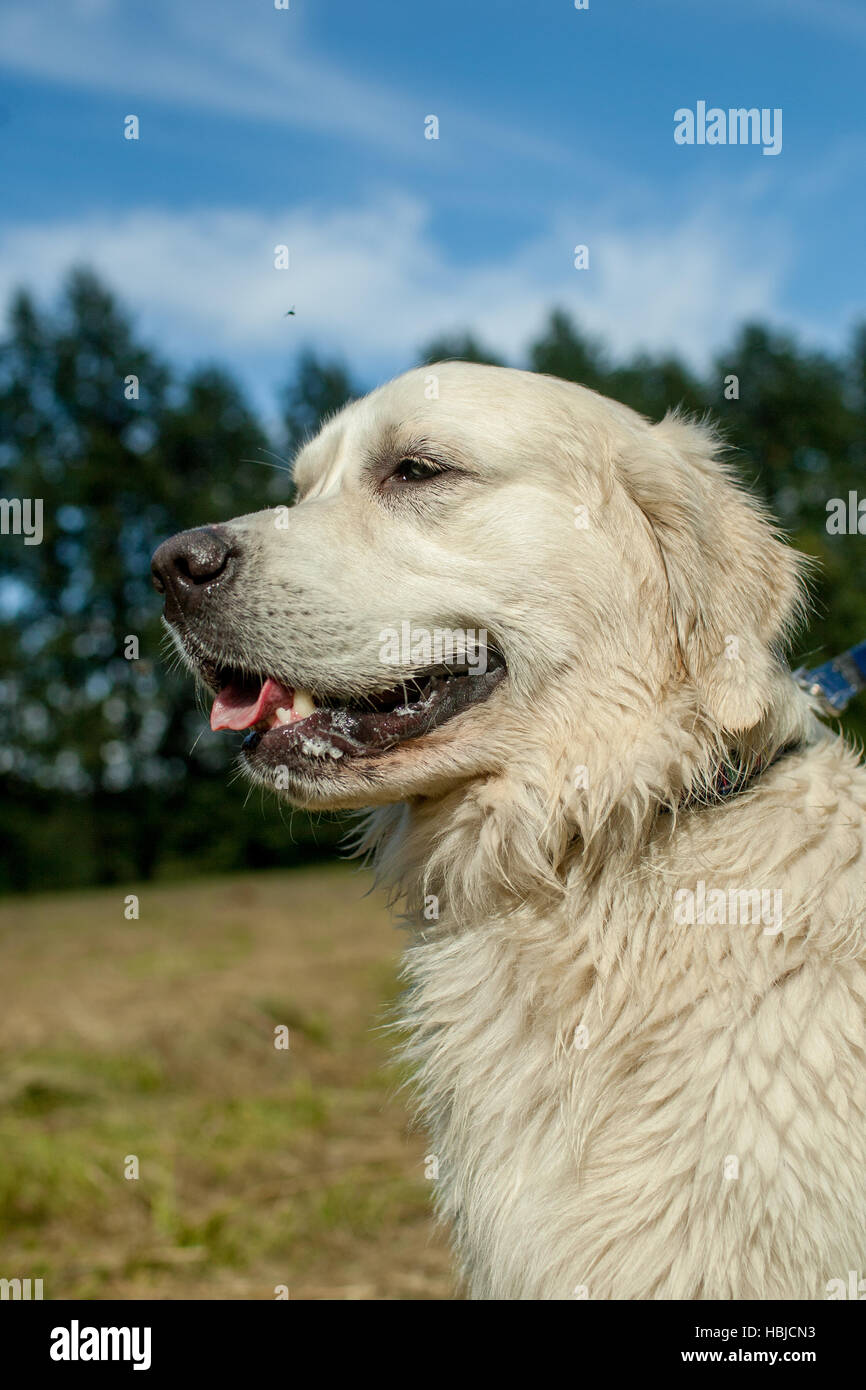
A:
543	637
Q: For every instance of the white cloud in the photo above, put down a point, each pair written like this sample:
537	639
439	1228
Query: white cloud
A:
370	282
236	60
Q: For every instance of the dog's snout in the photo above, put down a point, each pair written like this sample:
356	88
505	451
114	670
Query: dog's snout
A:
187	565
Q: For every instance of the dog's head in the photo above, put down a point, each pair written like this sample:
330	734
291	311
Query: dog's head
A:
486	572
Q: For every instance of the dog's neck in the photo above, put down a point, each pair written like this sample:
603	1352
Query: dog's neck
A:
513	838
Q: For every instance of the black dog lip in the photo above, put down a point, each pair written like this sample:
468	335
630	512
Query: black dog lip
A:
328	735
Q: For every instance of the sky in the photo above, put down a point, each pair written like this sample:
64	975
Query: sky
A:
305	127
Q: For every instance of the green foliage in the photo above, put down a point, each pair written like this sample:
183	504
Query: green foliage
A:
105	777
460	347
319	390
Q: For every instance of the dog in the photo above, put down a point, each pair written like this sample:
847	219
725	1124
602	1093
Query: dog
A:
540	642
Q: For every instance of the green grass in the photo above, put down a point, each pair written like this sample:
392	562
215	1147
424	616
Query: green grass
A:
154	1041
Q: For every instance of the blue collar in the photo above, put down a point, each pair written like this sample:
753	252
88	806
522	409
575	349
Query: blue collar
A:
837	681
833	685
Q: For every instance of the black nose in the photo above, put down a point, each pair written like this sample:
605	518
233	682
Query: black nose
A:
187	565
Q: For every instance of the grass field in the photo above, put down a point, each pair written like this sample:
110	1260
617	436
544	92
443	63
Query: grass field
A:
154	1039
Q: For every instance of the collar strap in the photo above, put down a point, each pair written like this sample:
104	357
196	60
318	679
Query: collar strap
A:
835	683
732	777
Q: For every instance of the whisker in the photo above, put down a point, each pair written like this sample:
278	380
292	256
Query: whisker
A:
282	466
264	463
198	737
275	456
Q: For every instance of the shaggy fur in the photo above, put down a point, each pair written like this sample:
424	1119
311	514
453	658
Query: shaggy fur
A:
623	1103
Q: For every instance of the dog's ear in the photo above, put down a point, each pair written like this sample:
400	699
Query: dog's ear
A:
735	587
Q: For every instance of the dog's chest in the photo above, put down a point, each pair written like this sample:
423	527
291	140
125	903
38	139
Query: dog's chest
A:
599	1128
497	1035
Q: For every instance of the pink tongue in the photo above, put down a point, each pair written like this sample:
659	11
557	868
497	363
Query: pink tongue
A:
239	706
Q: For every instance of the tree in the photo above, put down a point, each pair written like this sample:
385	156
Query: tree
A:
318	390
562	351
460	347
103	757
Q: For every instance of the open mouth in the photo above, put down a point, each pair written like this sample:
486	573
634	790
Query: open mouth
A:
286	723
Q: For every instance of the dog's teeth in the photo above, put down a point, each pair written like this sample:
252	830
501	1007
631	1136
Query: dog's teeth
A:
284	716
302	704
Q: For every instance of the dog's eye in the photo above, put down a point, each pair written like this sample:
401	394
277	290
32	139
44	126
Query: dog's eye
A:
410	470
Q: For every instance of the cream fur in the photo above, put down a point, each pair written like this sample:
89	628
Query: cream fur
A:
546	829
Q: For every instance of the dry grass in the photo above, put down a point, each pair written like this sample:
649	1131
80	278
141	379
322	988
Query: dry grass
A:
155	1038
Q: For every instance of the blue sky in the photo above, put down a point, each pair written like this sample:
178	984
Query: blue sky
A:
306	127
